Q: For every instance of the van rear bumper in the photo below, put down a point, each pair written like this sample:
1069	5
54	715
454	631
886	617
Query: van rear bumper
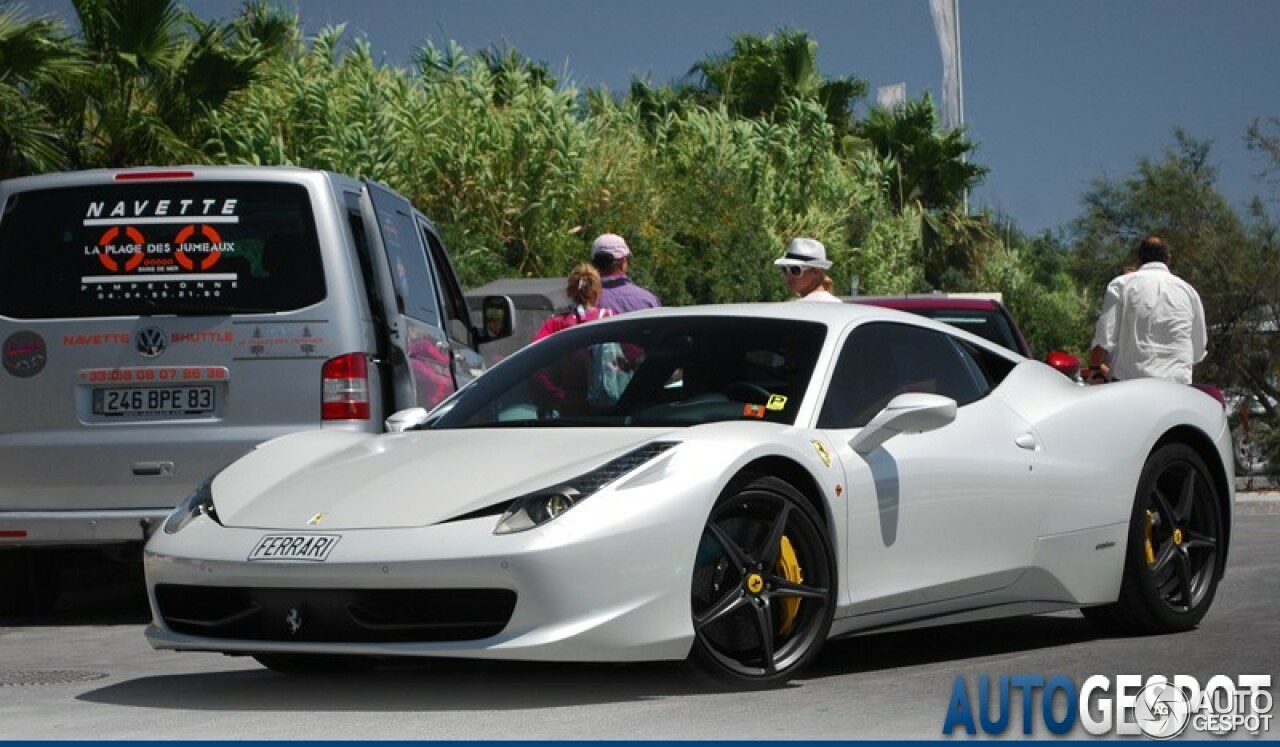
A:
77	528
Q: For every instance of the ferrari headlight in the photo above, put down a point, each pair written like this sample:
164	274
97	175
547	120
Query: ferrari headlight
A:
537	508
199	503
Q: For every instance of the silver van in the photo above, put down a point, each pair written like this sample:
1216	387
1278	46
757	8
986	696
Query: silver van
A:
157	323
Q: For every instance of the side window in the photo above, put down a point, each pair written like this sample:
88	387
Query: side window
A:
455	304
415	289
355	223
990	367
881	360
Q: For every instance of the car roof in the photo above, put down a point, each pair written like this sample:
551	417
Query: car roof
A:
835	315
550	287
161	174
930	301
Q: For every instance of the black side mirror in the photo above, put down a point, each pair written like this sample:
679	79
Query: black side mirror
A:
498	313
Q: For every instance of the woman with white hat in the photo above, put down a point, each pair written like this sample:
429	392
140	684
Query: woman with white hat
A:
804	267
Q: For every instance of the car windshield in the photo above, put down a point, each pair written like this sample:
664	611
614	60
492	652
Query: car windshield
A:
989	325
670	371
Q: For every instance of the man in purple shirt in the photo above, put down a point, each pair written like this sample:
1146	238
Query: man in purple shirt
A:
612	257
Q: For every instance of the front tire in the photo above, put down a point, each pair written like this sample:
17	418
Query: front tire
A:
764	586
1174	552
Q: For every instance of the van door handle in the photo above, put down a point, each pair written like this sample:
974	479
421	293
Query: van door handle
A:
153	469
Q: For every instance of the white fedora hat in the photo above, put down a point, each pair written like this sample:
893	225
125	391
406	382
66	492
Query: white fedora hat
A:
803	252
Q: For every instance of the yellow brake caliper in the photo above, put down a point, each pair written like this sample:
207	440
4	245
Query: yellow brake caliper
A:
789	568
1146	532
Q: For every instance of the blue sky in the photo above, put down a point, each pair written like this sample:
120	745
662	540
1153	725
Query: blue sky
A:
1056	93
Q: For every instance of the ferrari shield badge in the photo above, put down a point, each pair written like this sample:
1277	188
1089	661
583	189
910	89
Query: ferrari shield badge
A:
823	454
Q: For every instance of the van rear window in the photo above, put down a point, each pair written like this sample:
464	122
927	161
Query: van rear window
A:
159	248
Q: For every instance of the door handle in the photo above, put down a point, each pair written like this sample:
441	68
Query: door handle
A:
153	469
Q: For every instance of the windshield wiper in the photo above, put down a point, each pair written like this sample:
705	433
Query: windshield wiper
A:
553	423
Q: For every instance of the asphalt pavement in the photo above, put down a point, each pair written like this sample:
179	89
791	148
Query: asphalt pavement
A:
1261	491
86	672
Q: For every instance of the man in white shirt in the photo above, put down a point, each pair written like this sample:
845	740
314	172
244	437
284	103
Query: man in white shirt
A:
1152	322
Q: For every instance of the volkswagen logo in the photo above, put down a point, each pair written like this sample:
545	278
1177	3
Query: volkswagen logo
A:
150	342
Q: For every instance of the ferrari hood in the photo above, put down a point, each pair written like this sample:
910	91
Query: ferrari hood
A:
362	481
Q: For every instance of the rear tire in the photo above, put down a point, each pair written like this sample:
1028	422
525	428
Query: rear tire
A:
763	588
1174	550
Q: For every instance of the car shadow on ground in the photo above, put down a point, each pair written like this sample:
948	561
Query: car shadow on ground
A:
115	595
446	685
878	652
437	685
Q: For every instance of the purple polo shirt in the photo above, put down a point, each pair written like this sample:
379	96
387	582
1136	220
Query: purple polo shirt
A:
621	295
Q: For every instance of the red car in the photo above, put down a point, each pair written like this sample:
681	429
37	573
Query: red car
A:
982	314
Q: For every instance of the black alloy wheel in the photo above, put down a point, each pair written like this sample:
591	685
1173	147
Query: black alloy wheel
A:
764	591
1174	555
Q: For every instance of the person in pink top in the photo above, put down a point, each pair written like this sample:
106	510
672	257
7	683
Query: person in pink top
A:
565	390
584	291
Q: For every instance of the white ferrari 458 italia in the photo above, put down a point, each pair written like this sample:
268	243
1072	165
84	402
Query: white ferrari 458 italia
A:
729	485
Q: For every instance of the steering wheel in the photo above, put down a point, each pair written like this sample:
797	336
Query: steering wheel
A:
745	391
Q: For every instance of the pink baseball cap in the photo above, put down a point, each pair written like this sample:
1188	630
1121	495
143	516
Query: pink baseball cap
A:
611	244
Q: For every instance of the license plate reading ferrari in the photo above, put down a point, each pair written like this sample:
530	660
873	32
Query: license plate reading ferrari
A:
310	547
153	401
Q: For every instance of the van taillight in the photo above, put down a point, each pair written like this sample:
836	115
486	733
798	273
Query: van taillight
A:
345	388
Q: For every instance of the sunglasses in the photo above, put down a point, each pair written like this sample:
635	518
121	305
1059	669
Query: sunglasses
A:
794	271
